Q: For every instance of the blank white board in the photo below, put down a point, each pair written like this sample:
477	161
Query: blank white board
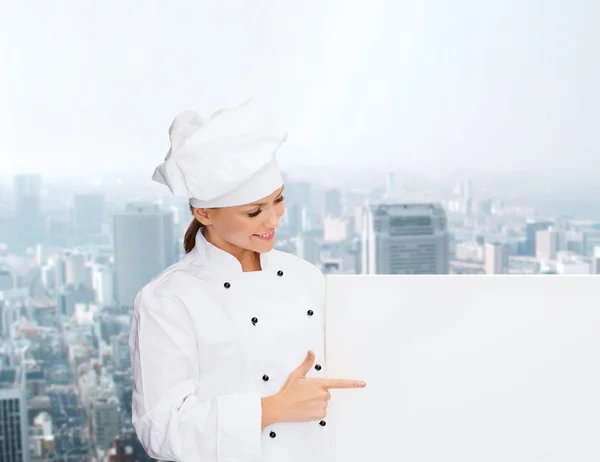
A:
464	368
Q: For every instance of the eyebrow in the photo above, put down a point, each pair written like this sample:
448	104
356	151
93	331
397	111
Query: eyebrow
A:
254	204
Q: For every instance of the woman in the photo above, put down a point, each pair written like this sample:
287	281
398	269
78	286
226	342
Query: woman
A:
227	344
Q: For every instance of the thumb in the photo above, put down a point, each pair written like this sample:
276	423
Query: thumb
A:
305	366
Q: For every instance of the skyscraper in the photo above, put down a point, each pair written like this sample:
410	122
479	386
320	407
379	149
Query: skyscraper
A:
596	261
28	219
105	417
531	230
14	428
75	269
144	245
548	243
399	238
496	258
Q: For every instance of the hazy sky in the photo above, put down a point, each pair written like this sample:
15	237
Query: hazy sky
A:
483	84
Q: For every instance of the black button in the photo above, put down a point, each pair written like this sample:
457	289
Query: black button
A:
310	312
266	378
272	435
227	285
318	367
322	423
279	273
254	320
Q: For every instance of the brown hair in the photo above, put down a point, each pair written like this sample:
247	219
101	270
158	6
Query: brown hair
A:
189	240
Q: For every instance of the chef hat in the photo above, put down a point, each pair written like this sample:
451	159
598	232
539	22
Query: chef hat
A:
224	160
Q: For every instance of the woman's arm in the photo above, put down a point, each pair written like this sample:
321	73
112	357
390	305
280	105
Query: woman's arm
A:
171	421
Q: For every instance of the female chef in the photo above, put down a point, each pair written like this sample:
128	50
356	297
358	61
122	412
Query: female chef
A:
227	345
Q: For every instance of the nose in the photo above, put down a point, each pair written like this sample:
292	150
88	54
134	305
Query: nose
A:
272	220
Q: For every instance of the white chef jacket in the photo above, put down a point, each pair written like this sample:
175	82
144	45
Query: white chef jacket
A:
208	341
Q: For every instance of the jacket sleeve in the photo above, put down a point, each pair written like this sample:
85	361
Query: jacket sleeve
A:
170	420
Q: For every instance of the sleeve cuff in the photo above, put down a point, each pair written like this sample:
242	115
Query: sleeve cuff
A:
239	428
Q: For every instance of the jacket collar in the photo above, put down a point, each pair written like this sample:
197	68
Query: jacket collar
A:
220	261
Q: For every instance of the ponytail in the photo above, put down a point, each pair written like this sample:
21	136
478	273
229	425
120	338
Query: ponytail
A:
189	240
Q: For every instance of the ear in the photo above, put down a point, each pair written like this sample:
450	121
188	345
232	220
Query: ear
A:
202	215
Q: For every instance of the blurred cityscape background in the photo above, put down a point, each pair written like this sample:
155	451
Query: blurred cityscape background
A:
74	256
429	137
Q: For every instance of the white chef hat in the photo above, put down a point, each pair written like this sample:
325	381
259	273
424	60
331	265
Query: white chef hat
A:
224	160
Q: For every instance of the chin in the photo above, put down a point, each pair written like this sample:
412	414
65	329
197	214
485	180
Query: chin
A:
265	246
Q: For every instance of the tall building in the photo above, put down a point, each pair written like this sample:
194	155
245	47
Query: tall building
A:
576	242
144	245
596	261
103	284
400	238
496	258
14	427
548	243
531	230
120	351
12	303
76	270
28	218
61	270
106	422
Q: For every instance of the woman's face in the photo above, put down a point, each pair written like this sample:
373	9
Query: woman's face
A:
245	226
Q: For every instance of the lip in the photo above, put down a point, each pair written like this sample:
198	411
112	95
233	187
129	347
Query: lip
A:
268	238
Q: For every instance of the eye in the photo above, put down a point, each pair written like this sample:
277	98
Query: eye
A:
254	214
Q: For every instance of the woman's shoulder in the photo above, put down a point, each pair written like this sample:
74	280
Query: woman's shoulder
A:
175	280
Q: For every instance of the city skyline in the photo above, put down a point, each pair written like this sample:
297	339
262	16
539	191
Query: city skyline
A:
559	193
428	138
67	286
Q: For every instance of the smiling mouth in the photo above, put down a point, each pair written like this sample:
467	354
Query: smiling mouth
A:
265	237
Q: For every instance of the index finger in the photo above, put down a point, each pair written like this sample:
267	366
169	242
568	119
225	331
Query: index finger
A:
343	383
